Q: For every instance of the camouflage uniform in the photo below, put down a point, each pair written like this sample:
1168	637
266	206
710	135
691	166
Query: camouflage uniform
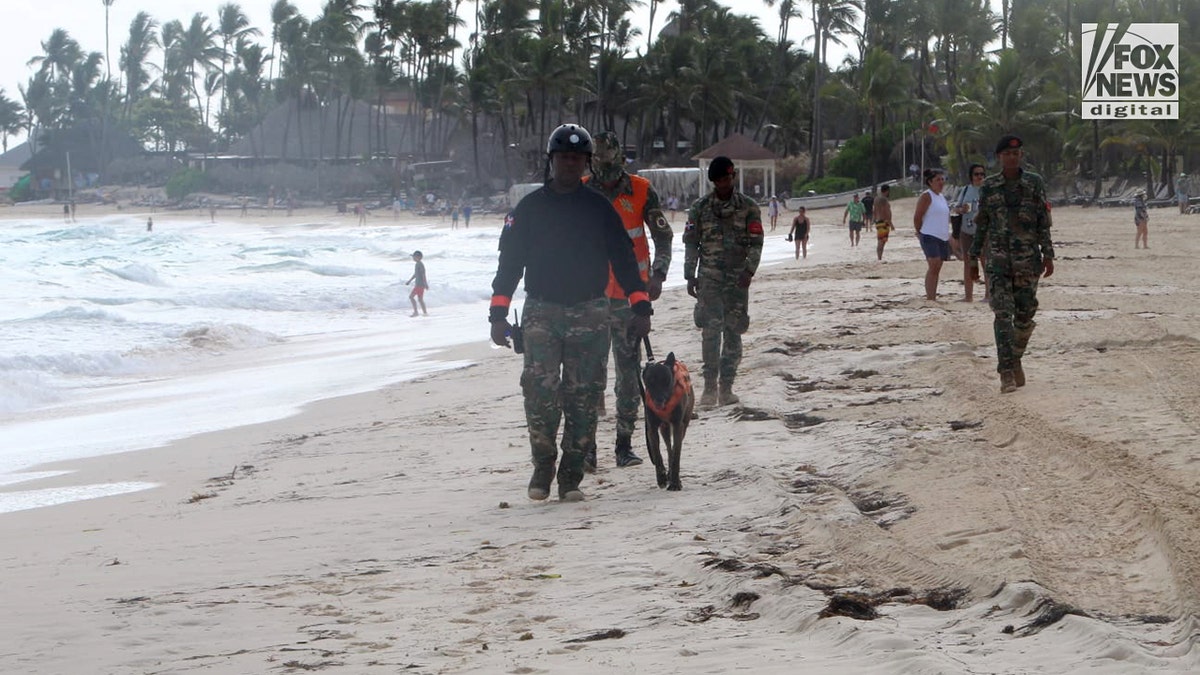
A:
722	240
627	354
1012	229
571	338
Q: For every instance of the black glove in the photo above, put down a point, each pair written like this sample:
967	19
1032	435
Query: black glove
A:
654	286
692	285
639	327
500	331
743	280
789	237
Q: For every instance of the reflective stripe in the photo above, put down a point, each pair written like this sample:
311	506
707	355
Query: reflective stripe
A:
643	266
636	232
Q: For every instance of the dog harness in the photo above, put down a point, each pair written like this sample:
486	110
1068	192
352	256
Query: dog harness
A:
683	382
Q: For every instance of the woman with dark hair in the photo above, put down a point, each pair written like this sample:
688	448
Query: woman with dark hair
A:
932	223
967	207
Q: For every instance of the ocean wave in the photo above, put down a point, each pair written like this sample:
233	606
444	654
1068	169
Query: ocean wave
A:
90	364
138	273
225	336
22	390
75	313
82	232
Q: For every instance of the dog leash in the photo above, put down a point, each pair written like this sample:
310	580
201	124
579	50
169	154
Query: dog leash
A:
649	351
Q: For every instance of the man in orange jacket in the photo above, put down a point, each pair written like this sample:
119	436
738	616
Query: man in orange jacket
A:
640	208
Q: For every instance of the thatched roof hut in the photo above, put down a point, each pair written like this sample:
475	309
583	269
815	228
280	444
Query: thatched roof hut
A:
308	130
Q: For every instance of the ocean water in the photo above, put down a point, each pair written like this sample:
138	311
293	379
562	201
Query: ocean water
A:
117	339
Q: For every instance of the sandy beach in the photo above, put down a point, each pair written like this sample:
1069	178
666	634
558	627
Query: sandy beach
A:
873	504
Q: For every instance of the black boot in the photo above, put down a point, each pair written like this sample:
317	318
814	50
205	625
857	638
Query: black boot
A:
570	474
589	461
625	456
539	484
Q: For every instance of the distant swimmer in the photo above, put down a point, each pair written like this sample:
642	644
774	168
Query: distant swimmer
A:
149	224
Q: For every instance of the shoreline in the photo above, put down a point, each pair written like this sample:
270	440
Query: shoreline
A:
871	452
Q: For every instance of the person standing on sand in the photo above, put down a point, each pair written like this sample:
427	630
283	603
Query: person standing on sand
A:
881	214
563	238
799	232
854	211
773	211
723	243
1181	192
418	291
1013	225
968	206
931	219
1141	219
639	206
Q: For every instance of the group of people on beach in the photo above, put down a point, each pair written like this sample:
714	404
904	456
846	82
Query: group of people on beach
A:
590	279
583	245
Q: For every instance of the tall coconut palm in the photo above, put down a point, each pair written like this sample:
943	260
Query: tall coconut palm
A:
107	57
198	54
134	56
232	25
831	20
282	11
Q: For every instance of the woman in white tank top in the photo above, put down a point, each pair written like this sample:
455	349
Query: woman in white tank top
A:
932	222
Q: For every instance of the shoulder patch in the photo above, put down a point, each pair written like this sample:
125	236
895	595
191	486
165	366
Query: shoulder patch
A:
755	227
508	220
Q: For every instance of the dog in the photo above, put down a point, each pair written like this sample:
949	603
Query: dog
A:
669	403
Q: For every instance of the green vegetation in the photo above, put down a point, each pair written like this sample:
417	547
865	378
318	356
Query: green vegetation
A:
185	182
918	79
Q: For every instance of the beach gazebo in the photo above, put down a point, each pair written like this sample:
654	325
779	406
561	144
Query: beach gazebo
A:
747	156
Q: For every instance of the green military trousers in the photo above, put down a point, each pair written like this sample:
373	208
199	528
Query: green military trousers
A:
566	347
721	315
1014	302
627	355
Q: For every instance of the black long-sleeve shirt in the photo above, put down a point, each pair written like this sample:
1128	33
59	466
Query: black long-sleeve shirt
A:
563	245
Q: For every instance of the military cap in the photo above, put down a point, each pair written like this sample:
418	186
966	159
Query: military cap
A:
1007	142
721	166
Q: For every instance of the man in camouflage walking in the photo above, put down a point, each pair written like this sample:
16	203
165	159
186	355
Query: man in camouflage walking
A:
563	238
1013	224
723	244
639	206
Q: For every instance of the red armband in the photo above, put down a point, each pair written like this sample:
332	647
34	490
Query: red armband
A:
755	227
501	301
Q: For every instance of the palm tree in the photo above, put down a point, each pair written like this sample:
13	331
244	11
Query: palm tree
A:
107	59
282	11
11	119
134	55
233	26
831	19
198	54
884	82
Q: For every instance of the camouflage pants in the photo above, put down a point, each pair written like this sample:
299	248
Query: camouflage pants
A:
721	315
563	379
1014	302
627	357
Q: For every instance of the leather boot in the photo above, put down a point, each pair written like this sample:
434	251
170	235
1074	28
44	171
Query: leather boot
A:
726	396
709	398
539	484
625	456
1008	383
570	474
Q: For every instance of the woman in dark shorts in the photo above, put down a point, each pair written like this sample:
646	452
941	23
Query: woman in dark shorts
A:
932	222
799	233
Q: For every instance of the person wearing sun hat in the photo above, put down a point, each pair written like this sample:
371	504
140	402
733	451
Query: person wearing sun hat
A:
1013	226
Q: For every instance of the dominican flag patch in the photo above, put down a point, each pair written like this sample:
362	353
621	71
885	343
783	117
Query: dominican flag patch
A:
508	221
